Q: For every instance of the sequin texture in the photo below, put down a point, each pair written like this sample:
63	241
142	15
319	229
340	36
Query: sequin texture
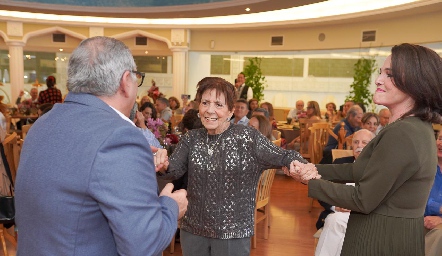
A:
222	187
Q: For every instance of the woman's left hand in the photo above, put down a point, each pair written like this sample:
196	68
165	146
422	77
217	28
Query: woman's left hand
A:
160	159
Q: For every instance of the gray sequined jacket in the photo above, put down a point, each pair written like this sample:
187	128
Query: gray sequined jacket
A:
222	187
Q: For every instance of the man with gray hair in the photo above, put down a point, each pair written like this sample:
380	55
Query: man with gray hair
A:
352	123
86	184
163	109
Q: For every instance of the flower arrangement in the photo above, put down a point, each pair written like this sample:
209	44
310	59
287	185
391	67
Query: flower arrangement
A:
159	129
154	92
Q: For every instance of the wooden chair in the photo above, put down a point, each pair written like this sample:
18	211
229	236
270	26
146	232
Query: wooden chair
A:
175	120
24	130
262	209
12	152
339	153
319	133
341	136
304	126
277	142
276	134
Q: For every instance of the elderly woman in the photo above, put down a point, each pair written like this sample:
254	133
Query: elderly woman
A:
370	121
224	162
394	172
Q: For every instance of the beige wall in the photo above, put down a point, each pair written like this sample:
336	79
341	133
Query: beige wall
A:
420	28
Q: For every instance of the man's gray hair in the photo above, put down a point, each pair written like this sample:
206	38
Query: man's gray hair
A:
164	101
97	65
354	110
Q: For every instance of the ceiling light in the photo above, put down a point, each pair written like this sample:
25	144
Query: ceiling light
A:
247	9
61	49
146	52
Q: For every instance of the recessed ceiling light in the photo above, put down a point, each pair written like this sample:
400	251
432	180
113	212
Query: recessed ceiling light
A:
247	9
60	49
146	52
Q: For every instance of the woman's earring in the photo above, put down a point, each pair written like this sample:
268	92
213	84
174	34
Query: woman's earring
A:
198	115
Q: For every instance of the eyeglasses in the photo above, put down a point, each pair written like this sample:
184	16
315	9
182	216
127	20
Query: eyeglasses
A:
310	107
140	77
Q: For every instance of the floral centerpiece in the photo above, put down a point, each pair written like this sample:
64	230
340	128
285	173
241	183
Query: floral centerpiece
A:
158	128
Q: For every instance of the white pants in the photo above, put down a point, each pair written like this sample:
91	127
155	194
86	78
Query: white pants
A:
333	233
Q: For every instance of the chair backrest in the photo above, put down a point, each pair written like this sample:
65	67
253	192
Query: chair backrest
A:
276	134
339	153
304	125
264	186
277	142
24	130
319	133
175	120
12	152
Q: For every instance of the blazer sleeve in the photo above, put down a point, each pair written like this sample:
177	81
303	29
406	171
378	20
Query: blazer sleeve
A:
382	170
123	182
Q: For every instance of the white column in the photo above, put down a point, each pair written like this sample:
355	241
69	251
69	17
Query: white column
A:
16	68
179	70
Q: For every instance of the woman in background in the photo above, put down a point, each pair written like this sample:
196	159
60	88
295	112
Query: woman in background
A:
332	114
253	104
370	121
262	124
175	106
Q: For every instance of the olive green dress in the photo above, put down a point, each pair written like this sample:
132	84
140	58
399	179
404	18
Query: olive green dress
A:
393	176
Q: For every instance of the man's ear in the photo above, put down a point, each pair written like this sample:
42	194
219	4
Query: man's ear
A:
125	84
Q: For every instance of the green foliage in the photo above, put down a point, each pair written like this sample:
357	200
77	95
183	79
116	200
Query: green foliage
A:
360	88
254	78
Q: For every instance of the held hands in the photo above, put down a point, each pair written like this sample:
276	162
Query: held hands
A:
430	222
179	196
302	172
160	159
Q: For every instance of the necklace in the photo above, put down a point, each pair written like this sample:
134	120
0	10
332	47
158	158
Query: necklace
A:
210	149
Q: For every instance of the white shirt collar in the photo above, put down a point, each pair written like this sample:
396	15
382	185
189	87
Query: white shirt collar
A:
122	116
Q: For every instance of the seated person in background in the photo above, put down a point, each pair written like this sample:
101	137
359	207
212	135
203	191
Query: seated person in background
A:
433	210
261	112
50	95
148	110
41	110
140	121
241	110
269	107
175	106
332	114
352	123
263	125
384	119
144	99
293	113
370	121
162	106
343	113
332	236
313	113
253	104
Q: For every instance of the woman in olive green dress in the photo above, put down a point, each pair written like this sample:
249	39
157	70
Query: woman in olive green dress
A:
395	171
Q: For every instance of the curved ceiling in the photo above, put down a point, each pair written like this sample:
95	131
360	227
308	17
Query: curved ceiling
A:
151	8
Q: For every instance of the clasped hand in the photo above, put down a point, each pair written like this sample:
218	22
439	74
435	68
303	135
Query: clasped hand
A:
302	172
160	159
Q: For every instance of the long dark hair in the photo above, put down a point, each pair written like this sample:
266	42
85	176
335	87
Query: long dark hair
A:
417	71
151	106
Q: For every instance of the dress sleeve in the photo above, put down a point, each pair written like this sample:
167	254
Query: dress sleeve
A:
381	171
269	155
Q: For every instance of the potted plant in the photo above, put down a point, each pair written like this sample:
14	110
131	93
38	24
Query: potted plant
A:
255	78
360	88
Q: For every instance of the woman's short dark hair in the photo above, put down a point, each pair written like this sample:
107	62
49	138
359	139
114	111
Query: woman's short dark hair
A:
151	106
50	81
221	86
177	102
417	71
369	115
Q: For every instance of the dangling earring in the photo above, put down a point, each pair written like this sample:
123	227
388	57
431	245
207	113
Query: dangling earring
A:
198	115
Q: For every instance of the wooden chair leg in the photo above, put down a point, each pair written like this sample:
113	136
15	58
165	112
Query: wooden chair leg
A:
2	237
266	222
